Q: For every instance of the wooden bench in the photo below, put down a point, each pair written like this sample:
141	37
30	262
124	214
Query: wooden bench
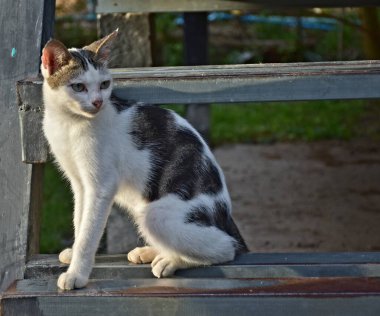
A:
267	284
255	284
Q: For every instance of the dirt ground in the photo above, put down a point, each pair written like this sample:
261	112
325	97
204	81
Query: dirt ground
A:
322	196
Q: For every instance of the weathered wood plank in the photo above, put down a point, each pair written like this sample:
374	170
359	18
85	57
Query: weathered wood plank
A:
34	213
177	296
177	287
210	84
252	265
187	306
119	6
249	258
21	35
245	83
34	146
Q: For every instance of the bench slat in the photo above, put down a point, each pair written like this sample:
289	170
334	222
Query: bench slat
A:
215	84
245	83
255	283
178	296
252	265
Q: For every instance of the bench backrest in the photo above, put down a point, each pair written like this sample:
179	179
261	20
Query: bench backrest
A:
26	25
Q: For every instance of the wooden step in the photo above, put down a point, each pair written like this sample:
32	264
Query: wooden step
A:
185	296
252	265
260	284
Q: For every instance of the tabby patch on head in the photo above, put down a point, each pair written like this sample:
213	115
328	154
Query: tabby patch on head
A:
64	64
65	74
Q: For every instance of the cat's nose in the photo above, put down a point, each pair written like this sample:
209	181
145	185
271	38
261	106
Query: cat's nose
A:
97	103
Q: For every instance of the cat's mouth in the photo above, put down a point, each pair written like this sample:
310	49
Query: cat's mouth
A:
94	110
91	112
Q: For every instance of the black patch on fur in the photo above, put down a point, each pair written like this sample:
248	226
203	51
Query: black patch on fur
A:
179	163
120	104
199	216
82	60
219	217
84	56
211	181
224	221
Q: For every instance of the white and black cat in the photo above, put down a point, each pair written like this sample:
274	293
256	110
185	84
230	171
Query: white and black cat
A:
147	159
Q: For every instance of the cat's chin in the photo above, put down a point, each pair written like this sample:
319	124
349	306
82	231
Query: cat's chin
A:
89	113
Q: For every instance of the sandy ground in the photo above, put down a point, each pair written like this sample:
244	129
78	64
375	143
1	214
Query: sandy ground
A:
322	196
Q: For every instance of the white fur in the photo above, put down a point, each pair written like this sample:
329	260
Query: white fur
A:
95	152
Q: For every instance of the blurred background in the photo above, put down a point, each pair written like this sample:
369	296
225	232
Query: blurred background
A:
283	134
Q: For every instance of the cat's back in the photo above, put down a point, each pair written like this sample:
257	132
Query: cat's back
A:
164	131
181	161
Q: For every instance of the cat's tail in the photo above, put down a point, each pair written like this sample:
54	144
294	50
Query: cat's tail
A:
233	231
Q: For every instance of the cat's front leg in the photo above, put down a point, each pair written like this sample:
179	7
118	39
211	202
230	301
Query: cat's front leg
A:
96	210
66	255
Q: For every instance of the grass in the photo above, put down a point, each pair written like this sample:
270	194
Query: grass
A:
272	122
252	123
56	227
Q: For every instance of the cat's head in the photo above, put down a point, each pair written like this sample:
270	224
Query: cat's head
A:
79	77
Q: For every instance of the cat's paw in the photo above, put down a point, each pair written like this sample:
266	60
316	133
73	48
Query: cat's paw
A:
70	281
142	255
66	255
164	266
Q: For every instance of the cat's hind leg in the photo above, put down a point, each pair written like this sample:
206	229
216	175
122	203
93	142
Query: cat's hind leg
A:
164	265
142	254
66	255
182	242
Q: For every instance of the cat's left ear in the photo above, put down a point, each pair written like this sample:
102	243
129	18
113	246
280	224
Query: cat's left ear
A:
102	47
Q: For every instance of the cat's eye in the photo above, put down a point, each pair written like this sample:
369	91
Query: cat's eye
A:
105	84
78	87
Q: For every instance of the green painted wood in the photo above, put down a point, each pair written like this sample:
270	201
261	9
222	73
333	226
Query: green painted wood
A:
120	6
251	265
21	36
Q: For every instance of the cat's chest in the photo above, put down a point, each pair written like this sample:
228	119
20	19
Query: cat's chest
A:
66	139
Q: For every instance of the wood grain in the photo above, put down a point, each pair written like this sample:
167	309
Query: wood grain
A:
252	265
217	84
21	34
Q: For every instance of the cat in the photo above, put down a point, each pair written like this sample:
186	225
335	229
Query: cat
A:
147	159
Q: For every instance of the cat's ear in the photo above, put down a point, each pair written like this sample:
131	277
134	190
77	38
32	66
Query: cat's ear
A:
54	56
102	48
